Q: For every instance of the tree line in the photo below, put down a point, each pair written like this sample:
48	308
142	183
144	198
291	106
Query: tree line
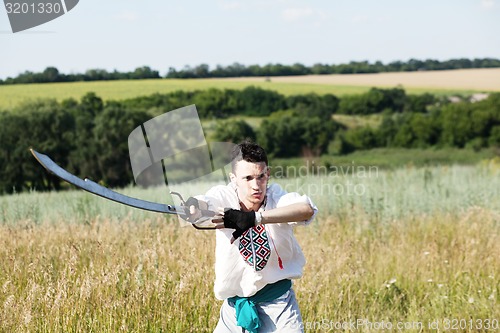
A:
461	125
88	137
52	74
353	67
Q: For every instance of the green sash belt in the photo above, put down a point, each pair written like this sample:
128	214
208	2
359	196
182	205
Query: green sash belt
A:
246	312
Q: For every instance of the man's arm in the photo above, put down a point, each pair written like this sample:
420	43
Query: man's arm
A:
241	221
296	212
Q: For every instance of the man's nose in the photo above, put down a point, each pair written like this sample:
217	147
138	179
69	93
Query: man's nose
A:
255	183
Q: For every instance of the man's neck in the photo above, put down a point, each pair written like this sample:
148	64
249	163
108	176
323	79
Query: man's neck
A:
254	207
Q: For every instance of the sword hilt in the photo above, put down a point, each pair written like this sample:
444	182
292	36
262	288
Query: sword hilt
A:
204	213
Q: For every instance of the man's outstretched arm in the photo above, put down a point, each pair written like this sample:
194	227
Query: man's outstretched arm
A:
242	221
296	212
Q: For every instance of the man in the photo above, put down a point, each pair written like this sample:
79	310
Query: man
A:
257	254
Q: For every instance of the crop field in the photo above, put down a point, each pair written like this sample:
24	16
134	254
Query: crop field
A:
438	82
462	79
414	248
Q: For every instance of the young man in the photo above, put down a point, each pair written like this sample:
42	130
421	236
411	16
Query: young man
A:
257	254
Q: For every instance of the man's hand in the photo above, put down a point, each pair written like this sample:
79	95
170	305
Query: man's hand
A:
192	209
236	219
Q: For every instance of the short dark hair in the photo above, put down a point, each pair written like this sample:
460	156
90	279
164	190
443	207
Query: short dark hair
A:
248	151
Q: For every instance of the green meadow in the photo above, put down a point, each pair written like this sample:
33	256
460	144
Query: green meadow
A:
12	95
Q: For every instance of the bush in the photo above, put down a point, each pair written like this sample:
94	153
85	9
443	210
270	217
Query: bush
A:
494	139
234	131
313	105
287	134
375	101
358	139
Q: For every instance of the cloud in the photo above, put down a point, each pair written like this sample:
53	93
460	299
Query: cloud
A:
296	14
487	4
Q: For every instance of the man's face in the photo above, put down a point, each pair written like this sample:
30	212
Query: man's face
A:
251	183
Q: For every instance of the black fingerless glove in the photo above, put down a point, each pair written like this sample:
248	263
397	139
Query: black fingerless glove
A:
241	221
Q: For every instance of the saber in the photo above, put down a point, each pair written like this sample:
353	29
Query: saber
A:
94	188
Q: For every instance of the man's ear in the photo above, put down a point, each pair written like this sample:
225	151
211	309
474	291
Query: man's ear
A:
232	177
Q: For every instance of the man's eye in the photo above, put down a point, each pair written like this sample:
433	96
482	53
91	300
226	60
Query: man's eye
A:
248	178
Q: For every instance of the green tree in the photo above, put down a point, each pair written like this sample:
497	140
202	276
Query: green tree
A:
419	103
374	101
260	102
494	139
287	134
12	130
145	72
49	129
387	130
426	130
112	128
82	157
215	103
463	122
457	129
313	105
50	74
234	131
358	139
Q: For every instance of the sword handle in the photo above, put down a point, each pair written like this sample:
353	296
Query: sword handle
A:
207	213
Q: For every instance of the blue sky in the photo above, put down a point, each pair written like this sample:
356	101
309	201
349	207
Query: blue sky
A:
125	34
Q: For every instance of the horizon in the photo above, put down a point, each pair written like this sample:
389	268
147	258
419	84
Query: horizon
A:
163	74
124	35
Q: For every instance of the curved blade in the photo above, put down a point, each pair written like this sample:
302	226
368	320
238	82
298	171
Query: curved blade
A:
94	188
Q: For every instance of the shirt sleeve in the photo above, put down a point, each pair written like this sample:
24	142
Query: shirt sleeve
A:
219	196
211	198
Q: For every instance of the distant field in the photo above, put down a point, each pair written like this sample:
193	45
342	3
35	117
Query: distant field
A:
485	79
437	82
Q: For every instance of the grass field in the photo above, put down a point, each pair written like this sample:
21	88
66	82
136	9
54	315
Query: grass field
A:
440	82
410	247
354	121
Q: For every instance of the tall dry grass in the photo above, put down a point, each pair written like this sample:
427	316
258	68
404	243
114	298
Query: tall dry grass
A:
106	276
72	264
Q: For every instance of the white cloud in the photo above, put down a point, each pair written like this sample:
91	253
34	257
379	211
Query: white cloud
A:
296	14
487	3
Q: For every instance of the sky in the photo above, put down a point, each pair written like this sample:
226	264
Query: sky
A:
126	34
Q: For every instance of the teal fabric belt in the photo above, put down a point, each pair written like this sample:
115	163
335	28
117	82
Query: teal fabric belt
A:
246	312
